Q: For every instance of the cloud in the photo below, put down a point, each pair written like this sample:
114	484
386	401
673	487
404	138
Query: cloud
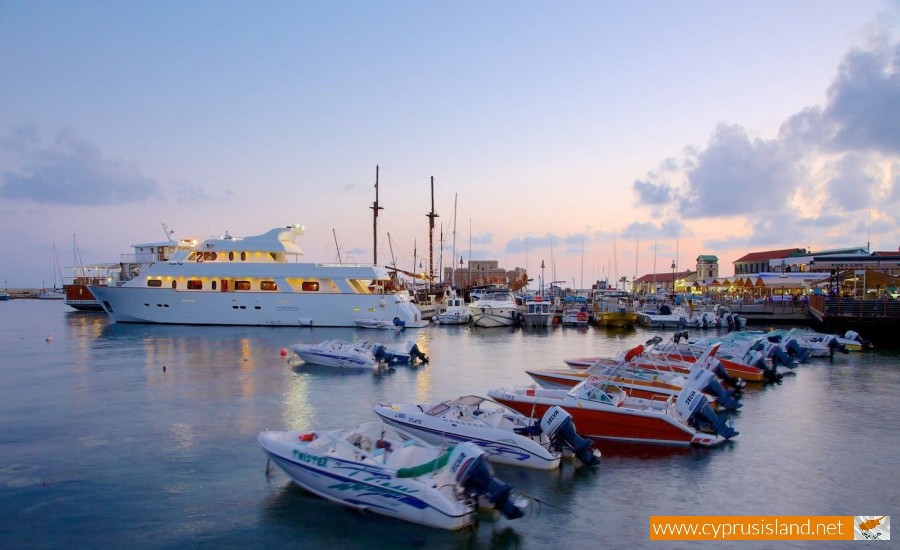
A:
737	175
827	164
650	193
855	181
71	171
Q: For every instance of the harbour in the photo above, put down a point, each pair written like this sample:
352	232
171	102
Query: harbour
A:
134	434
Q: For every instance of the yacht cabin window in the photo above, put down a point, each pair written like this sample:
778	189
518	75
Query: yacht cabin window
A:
268	285
242	285
154	282
194	284
310	286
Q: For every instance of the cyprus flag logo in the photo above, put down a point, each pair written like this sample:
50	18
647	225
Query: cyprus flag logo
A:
872	527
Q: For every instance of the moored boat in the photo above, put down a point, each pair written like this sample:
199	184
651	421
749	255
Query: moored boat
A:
495	309
505	435
378	468
452	310
602	410
337	353
254	281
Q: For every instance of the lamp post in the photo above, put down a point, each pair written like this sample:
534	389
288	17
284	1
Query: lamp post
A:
673	277
542	277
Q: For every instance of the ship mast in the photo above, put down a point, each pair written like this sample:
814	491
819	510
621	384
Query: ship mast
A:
431	216
375	208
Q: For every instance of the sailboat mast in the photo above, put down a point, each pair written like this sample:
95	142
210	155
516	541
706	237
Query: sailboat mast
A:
453	261
431	216
375	208
336	245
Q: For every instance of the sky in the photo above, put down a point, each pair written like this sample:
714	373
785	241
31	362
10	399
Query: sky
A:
604	139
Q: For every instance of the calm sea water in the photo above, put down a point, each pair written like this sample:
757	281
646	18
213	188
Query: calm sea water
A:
145	436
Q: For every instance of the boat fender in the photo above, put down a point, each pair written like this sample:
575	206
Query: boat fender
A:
308	436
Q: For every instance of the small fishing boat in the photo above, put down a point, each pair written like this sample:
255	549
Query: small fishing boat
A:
387	471
602	410
453	310
337	353
505	435
537	312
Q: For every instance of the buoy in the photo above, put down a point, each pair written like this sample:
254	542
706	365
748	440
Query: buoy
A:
283	352
48	338
164	368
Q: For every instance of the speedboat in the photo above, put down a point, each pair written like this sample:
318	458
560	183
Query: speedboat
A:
454	310
337	353
505	435
256	281
602	410
387	471
495	309
660	318
645	380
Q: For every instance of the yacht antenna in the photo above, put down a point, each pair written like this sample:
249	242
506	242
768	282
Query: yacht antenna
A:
167	231
375	208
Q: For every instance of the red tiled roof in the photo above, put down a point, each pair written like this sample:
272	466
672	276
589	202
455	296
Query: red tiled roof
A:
662	277
767	255
886	253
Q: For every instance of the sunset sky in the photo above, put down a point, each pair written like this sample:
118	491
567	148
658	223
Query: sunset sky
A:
606	139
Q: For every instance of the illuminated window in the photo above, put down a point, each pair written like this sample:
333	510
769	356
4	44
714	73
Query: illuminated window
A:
310	286
242	285
210	256
268	285
154	282
194	284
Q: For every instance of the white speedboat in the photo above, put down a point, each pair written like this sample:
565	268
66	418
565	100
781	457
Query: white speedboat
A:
505	435
381	469
453	311
660	318
495	309
337	353
254	281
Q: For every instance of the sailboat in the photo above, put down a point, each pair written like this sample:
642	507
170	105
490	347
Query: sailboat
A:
57	293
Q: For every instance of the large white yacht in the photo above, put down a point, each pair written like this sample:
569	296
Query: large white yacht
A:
250	281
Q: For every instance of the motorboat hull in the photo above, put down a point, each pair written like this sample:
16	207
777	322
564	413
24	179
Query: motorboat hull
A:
364	485
502	446
607	423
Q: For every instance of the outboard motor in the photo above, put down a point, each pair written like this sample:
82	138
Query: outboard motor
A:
833	345
719	370
399	323
778	355
693	407
469	469
416	353
704	379
560	428
795	350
